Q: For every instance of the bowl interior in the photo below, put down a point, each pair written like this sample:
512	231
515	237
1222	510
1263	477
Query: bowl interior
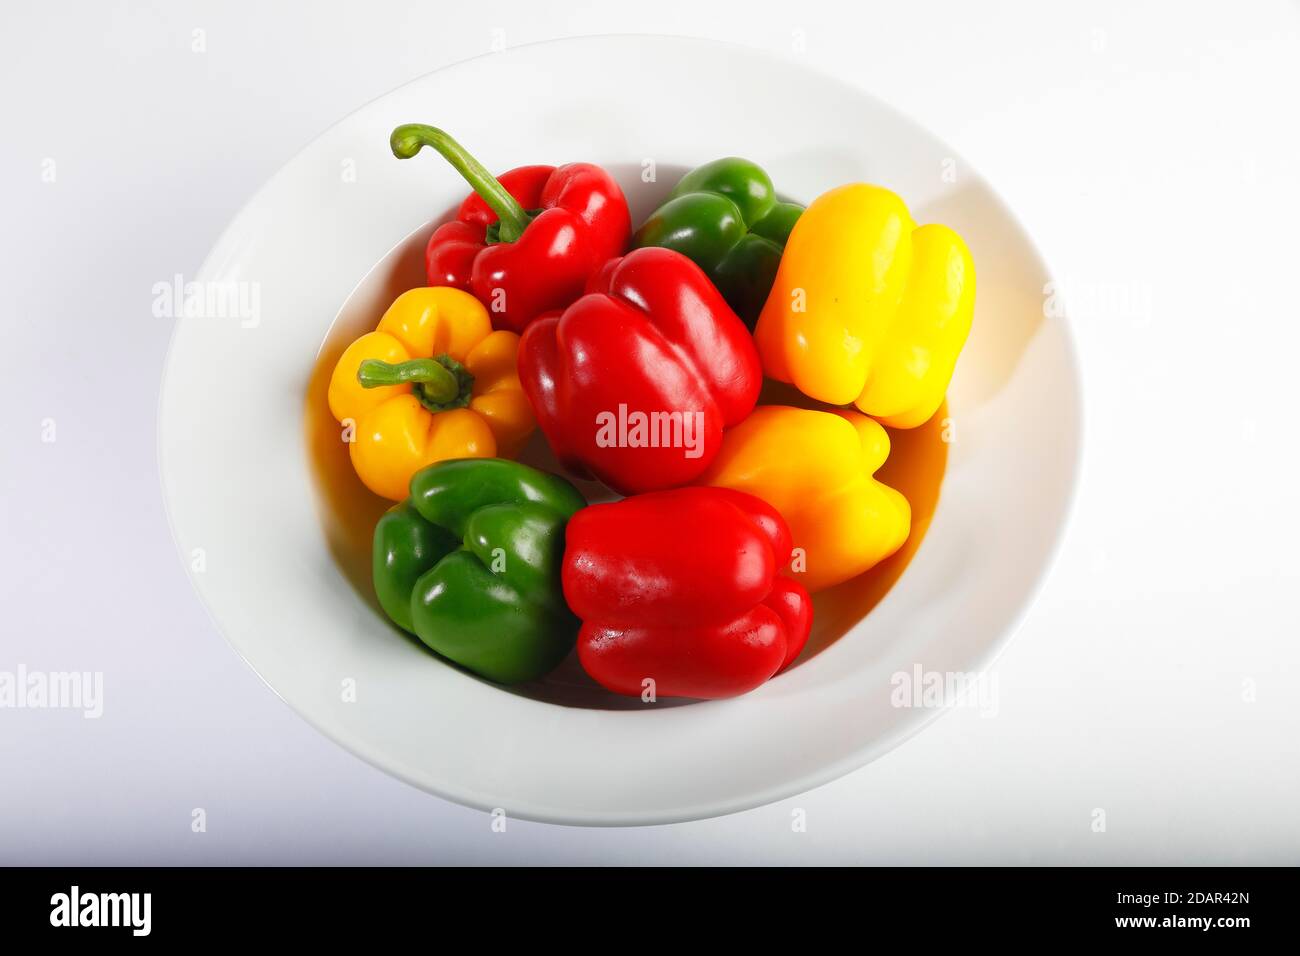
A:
348	510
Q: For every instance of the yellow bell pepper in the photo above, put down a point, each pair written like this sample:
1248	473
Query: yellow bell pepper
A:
867	308
432	382
816	469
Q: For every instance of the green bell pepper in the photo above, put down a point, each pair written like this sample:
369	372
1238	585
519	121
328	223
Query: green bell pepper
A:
470	564
725	217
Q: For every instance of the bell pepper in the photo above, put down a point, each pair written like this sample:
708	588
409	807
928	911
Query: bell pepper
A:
527	242
634	383
470	564
433	381
816	469
681	588
868	308
726	218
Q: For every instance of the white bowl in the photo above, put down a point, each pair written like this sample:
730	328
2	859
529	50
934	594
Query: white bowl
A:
281	562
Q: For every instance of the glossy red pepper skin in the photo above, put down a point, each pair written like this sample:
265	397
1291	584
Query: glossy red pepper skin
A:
682	588
652	336
582	223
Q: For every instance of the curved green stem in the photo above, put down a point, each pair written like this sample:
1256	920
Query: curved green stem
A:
440	383
409	139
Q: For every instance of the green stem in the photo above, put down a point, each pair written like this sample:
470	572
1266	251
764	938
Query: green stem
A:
439	383
409	139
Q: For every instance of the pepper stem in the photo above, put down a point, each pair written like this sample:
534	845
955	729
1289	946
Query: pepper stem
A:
440	384
409	139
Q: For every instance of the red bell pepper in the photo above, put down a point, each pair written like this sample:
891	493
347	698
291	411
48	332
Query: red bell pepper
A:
682	588
634	383
526	243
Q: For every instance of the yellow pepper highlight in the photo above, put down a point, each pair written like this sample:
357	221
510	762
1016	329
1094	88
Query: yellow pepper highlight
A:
400	428
867	308
816	469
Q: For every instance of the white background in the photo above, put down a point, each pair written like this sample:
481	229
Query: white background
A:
1152	150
